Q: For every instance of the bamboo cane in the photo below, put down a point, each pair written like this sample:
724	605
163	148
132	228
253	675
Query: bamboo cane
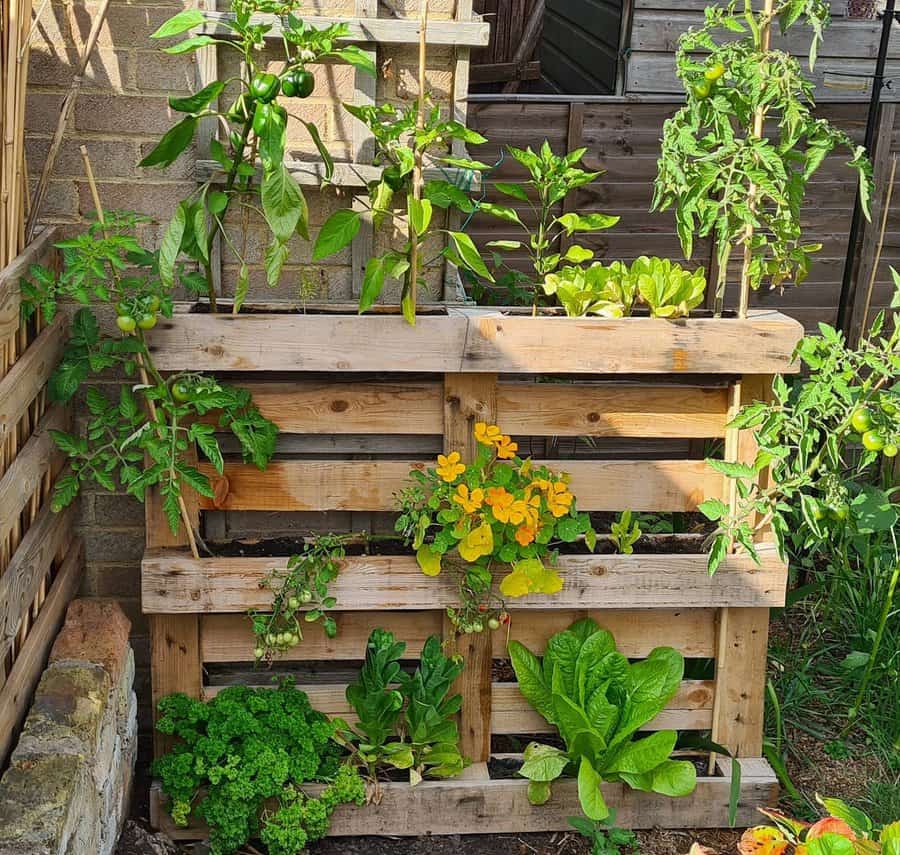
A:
759	116
884	217
151	406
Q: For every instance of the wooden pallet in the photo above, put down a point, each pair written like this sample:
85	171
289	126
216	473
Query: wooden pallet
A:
635	381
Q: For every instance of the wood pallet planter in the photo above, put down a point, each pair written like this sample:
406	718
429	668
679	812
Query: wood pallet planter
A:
332	380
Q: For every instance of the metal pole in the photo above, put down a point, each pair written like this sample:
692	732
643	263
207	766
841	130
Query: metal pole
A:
848	281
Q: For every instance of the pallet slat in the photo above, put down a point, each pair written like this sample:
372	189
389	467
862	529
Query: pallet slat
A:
462	807
227	637
372	485
174	582
476	341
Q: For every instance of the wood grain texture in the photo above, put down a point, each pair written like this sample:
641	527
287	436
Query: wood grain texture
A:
690	709
228	637
502	807
17	691
37	252
372	485
610	410
173	583
30	373
479	341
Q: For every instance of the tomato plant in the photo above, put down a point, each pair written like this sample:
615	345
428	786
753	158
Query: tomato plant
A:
723	177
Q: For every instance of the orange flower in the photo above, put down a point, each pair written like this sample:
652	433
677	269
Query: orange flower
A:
525	511
539	484
762	840
487	434
525	534
449	467
559	499
500	502
506	448
470	502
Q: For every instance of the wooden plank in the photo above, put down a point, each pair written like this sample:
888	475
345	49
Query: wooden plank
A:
15	696
27	377
500	72
371	485
26	473
611	410
469	399
690	709
37	252
228	637
739	708
47	537
174	582
502	807
395	31
479	341
351	408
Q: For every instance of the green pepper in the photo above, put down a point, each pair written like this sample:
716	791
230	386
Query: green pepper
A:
392	177
261	118
264	86
298	83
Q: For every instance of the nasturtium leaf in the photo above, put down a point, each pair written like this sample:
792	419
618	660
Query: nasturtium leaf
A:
429	561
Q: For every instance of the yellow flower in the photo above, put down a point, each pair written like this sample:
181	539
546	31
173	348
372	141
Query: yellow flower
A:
429	560
525	534
559	500
539	484
487	434
506	448
524	510
477	543
449	467
470	502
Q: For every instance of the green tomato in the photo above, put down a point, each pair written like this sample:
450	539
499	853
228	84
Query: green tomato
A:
861	420
264	86
305	596
714	72
147	321
890	450
258	653
271	638
702	90
295	639
181	392
293	603
493	623
153	303
478	626
126	323
872	440
56	506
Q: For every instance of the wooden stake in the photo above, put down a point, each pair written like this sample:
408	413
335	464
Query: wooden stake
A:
884	217
151	406
758	120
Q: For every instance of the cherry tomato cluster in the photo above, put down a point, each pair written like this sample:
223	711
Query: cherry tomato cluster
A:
876	427
711	76
137	313
471	618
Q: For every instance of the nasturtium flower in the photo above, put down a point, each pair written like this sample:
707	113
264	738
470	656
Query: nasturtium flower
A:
506	448
449	466
429	561
477	543
762	840
525	534
487	434
541	484
470	501
559	499
525	510
500	501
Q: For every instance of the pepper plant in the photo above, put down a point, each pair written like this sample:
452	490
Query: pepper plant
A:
145	438
724	178
403	136
551	179
255	124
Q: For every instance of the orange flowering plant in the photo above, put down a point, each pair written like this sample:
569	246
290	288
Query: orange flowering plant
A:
499	511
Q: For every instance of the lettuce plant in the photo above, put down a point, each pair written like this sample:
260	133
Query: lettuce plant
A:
598	701
611	291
